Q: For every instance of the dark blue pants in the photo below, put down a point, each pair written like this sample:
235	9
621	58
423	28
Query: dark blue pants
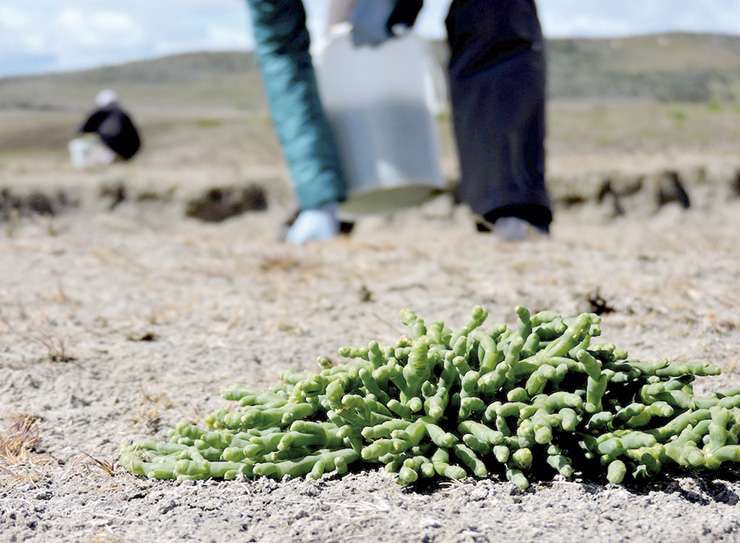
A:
497	87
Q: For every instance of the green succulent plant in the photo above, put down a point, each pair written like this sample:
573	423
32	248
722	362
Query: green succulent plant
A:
526	401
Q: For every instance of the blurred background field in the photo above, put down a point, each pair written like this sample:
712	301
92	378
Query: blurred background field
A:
633	104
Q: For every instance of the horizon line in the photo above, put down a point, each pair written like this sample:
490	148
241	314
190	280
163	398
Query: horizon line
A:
249	50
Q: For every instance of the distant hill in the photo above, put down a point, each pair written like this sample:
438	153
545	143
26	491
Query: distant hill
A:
669	67
182	68
192	80
666	67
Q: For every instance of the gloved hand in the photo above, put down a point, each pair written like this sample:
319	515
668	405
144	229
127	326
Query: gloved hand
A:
314	225
370	22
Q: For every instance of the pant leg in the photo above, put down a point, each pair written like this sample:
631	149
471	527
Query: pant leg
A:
497	88
282	48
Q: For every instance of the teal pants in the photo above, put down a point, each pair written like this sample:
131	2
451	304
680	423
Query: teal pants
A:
282	47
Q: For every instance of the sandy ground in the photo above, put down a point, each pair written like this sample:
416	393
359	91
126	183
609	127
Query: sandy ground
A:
117	324
156	314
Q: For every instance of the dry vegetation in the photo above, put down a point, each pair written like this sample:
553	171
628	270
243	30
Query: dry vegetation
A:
42	333
20	463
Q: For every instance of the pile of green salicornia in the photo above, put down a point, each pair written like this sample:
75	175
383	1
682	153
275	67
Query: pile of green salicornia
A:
527	402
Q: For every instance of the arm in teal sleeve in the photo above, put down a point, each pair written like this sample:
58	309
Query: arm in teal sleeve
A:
282	48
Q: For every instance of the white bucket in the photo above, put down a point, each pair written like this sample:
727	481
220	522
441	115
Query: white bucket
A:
378	104
89	152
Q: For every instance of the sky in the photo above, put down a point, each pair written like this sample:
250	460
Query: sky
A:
50	35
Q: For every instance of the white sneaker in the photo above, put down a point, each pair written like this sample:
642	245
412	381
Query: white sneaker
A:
318	224
515	229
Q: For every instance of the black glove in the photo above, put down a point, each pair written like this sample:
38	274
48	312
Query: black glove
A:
376	21
404	14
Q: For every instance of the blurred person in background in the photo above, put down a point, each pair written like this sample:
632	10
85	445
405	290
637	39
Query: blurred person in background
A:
497	87
107	135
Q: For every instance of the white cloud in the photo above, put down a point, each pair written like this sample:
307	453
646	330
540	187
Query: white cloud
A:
118	23
49	35
22	45
12	19
224	37
88	37
607	17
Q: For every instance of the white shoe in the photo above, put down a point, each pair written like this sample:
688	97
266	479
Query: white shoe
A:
515	229
318	224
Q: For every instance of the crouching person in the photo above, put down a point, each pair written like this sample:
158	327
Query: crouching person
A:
107	135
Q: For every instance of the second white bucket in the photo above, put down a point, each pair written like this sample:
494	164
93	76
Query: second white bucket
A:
378	104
